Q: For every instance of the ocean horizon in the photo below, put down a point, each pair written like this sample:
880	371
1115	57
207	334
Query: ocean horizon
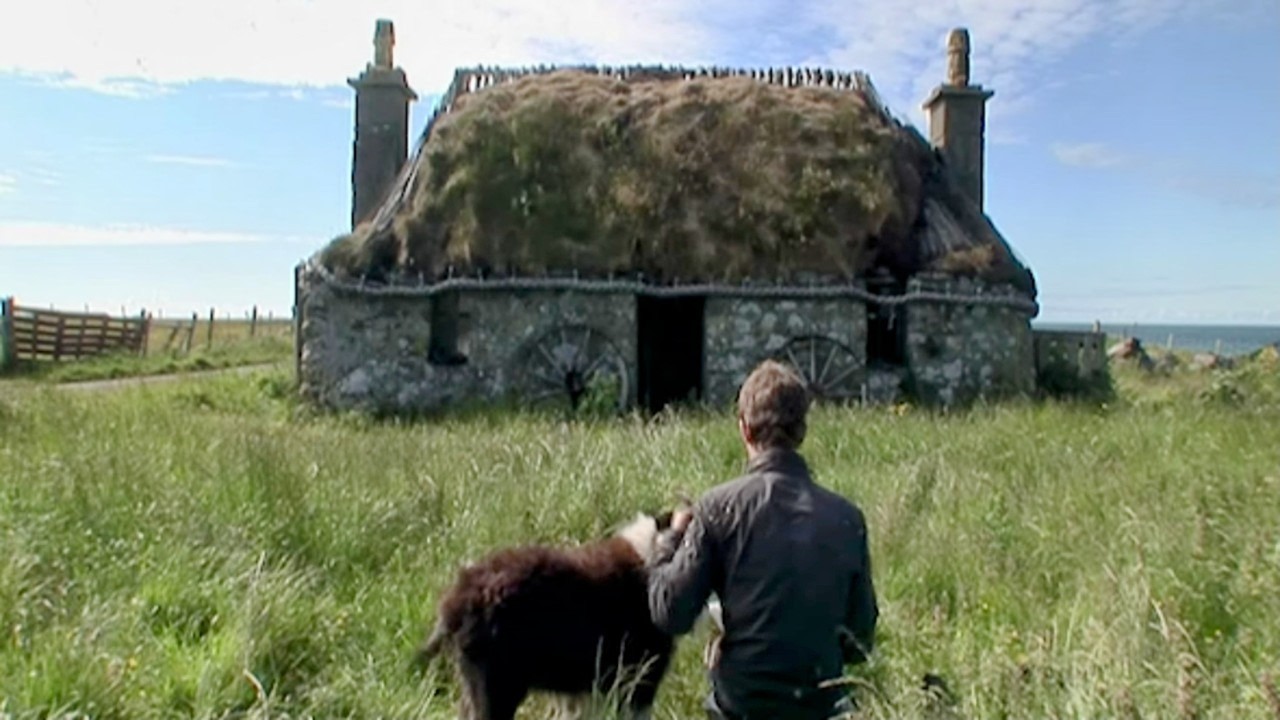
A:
1222	339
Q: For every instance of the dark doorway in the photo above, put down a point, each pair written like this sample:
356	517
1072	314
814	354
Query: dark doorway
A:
886	332
885	336
669	339
443	348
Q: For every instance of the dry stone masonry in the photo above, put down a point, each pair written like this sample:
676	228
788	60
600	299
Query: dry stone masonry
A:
374	351
1072	363
394	350
960	352
740	332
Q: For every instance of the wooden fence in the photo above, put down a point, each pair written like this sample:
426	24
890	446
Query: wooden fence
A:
30	334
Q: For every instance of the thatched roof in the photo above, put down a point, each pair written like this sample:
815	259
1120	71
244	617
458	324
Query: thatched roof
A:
679	176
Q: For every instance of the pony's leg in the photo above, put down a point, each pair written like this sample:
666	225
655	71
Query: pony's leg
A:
489	694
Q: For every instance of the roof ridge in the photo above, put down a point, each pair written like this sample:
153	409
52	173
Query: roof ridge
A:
478	77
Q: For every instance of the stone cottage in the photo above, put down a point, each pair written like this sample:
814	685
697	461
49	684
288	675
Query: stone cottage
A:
641	236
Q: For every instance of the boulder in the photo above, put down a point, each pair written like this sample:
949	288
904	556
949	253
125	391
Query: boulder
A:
1130	350
1210	361
1126	349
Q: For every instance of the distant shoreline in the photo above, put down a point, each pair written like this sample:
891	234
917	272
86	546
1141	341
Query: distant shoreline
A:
1224	339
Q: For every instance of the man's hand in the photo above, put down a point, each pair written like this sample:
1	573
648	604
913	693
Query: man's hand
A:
669	538
680	519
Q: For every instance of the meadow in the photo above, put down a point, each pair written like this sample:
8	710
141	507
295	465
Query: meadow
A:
210	549
175	347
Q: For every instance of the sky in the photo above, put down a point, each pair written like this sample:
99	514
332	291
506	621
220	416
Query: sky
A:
180	155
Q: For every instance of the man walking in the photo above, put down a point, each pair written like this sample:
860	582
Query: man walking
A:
788	561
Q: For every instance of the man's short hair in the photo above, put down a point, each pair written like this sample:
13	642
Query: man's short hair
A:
773	403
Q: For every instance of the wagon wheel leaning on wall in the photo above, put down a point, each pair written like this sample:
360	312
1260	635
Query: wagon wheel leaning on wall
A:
832	371
574	366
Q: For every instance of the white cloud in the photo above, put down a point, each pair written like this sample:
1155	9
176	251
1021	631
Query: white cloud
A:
42	234
328	97
11	181
1016	44
99	44
190	160
132	89
135	48
1223	185
1231	187
47	178
1088	155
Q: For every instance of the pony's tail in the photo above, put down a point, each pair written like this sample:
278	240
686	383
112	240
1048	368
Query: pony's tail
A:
431	647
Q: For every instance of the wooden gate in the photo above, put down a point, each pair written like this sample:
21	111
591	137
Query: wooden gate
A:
33	335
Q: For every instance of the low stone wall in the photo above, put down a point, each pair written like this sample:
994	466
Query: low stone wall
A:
371	352
740	332
413	352
1071	363
958	353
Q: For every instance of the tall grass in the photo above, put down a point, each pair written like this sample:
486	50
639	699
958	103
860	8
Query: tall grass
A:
232	347
207	549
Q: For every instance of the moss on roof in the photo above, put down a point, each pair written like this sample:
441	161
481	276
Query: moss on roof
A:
710	179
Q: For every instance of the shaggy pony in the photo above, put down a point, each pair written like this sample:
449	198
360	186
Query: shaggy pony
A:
571	621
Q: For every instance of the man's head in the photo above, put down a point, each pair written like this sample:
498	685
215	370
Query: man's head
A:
772	405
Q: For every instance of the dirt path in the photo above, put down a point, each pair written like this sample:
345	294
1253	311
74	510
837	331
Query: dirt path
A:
118	383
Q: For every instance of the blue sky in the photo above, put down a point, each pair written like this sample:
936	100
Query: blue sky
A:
178	156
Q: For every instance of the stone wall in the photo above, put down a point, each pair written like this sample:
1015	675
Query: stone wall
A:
1071	363
387	353
958	353
370	352
499	332
740	332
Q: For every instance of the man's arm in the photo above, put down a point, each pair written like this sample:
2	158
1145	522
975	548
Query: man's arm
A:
863	612
680	579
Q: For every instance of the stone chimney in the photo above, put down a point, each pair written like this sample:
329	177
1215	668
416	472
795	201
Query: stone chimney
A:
381	125
957	118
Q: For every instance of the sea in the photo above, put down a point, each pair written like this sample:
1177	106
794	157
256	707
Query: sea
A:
1222	339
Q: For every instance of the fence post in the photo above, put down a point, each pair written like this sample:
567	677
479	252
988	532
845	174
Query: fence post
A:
191	331
297	325
61	335
146	333
253	322
173	335
6	333
209	337
79	350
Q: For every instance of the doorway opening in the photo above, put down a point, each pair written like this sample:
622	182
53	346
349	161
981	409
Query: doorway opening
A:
443	345
669	344
886	332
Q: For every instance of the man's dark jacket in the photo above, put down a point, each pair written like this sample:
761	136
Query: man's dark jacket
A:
789	562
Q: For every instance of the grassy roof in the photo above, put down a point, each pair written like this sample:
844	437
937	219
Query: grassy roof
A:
710	179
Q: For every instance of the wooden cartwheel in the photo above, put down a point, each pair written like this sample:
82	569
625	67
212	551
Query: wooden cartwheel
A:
832	371
573	364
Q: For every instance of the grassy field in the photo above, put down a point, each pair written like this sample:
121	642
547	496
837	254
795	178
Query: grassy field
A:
226	332
208	549
229	345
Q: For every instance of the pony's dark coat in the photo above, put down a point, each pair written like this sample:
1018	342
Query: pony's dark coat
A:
564	620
